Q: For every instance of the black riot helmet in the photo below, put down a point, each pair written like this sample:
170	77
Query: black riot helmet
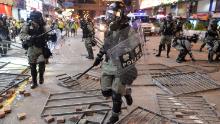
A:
115	12
169	17
37	17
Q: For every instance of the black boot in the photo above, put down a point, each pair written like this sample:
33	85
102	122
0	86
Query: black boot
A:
128	97
116	109
33	75
202	46
113	119
41	72
210	56
168	50
160	49
90	53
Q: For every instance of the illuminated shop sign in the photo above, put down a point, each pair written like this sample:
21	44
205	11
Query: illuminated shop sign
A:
34	4
152	3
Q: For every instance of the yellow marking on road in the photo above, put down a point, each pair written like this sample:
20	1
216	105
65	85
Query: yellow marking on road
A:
21	87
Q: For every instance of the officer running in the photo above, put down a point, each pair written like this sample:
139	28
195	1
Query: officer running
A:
112	84
35	46
167	29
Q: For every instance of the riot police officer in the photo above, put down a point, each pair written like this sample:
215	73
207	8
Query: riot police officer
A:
183	44
113	84
88	34
167	29
179	27
35	45
211	40
4	35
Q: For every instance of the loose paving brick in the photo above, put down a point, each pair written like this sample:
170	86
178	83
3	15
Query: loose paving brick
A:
60	119
8	95
21	116
11	91
80	108
26	94
49	119
89	113
7	109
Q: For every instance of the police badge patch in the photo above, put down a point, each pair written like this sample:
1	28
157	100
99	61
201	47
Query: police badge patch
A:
131	57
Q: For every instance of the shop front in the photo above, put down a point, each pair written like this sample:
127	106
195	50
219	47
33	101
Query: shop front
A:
6	7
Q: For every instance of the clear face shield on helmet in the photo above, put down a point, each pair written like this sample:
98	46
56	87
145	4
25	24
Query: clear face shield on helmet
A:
111	15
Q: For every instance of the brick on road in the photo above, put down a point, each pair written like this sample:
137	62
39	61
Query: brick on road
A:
60	119
49	119
7	109
21	116
26	94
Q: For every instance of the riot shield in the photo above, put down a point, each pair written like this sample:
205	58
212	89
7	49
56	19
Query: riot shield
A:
127	52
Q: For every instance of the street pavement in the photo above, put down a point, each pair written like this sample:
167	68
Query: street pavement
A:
69	56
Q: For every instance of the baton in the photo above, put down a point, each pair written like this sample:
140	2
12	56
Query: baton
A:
81	74
40	35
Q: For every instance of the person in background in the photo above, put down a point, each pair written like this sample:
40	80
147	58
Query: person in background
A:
167	29
61	25
67	28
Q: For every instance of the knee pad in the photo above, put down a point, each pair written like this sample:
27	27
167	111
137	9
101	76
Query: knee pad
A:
107	93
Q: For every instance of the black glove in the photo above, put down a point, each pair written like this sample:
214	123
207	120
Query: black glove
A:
97	61
30	38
